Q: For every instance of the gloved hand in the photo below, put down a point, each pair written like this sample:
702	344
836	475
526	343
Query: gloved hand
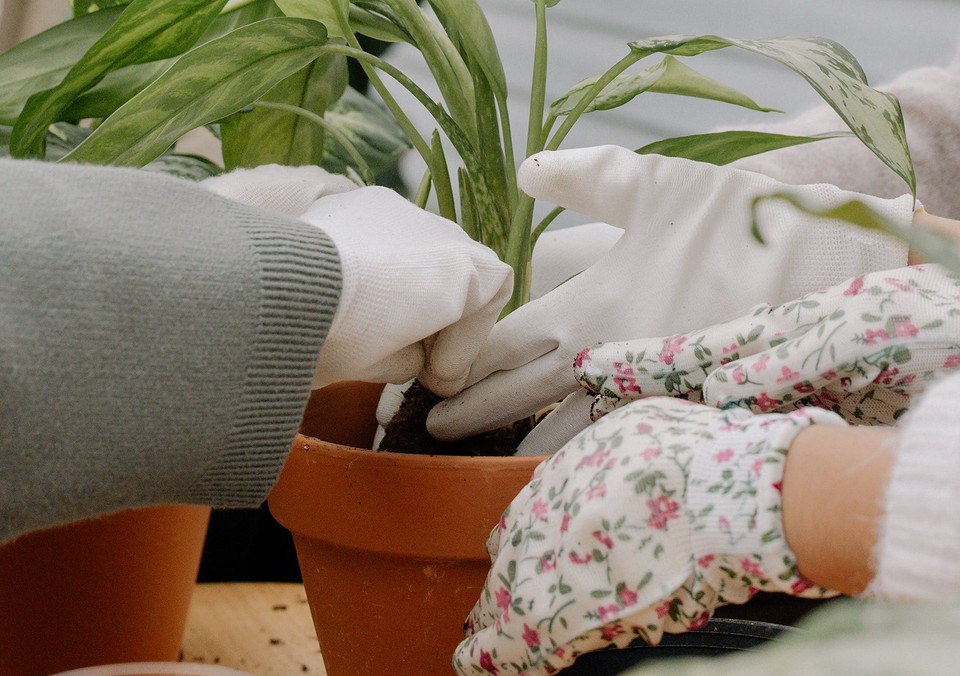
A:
862	348
559	255
643	524
285	190
418	296
687	259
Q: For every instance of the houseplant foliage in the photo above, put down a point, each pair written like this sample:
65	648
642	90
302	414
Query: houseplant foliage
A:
271	75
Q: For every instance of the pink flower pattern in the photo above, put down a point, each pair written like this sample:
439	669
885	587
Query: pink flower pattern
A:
890	330
589	539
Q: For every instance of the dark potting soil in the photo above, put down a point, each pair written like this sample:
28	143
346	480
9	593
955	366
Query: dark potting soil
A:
407	432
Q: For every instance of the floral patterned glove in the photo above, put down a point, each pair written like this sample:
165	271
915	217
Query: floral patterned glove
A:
861	348
643	524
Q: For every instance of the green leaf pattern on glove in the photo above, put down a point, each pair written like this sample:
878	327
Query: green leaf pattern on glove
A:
861	349
643	524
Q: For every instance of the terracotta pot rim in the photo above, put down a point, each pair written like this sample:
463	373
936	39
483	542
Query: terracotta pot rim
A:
311	444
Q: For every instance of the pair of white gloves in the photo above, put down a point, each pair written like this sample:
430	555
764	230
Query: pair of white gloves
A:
419	298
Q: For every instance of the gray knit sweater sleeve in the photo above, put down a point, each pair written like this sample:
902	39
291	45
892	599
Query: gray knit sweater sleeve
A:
157	343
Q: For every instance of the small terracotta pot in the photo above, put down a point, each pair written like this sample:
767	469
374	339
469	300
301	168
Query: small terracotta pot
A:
392	547
106	590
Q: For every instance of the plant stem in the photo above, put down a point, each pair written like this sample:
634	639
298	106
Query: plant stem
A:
447	123
544	224
588	98
338	135
518	253
423	191
509	160
408	127
538	88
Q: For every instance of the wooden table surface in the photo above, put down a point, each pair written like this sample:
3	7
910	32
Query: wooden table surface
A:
261	628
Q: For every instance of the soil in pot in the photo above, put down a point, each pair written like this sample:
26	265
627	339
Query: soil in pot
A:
407	432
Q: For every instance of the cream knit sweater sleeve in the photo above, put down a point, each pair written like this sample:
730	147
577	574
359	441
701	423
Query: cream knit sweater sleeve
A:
918	551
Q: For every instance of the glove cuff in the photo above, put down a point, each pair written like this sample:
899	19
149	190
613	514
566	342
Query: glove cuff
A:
734	504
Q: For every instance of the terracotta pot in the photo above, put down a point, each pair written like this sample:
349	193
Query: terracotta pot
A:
392	547
107	590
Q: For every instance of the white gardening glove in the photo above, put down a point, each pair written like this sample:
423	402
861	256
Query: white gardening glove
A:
643	524
285	190
418	296
687	259
559	255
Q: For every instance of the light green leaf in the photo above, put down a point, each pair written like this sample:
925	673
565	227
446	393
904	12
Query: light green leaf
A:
476	36
81	7
362	20
43	60
446	64
62	137
205	85
369	127
874	116
264	136
120	86
728	146
933	245
147	30
670	76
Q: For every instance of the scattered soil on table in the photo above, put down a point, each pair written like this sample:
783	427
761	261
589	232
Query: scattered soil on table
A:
407	432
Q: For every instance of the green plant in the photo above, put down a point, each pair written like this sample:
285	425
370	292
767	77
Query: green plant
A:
271	75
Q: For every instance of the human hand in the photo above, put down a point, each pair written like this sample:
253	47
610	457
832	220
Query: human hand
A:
645	523
285	190
418	295
686	259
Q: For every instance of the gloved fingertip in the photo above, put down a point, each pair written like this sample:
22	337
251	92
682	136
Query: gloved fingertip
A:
439	425
443	387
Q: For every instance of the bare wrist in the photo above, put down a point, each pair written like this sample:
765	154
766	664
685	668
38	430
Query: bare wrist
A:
833	488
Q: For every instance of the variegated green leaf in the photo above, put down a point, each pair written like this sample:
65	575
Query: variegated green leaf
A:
43	60
147	30
62	137
449	70
670	76
120	86
473	30
728	146
369	128
362	20
874	116
264	136
205	85
81	7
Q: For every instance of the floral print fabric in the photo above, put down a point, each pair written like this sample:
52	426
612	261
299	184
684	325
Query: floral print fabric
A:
862	349
642	524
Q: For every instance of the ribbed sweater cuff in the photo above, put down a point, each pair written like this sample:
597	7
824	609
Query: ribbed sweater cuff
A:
300	288
918	551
